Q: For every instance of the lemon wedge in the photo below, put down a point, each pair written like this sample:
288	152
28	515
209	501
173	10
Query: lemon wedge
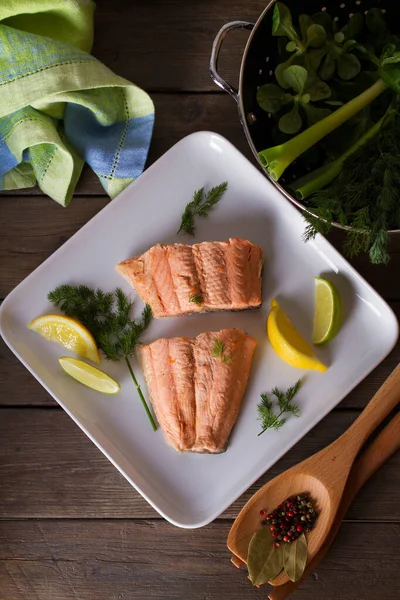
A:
328	311
68	332
89	376
288	343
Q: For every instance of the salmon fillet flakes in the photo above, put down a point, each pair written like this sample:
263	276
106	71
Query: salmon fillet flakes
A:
179	279
197	394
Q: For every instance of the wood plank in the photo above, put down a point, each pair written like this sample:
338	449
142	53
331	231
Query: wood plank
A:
37	227
49	468
29	392
383	278
184	32
118	559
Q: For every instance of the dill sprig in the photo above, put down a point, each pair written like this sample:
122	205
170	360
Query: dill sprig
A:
269	419
196	299
218	351
107	316
200	206
365	196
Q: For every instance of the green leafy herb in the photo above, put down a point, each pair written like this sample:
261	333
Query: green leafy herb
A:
200	206
278	158
295	558
196	299
341	52
264	562
218	351
320	47
316	180
273	98
267	416
282	24
376	22
107	316
337	55
365	195
313	35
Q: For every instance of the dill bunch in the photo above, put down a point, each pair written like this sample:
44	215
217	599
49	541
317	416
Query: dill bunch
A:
365	196
107	316
266	413
200	206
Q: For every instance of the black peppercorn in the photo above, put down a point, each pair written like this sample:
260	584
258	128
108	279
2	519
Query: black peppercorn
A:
295	515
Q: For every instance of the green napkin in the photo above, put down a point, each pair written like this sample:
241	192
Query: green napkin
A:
60	107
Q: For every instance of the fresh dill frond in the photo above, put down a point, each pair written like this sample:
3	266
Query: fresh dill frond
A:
90	306
196	299
200	206
285	399
107	316
187	217
377	252
319	222
218	351
266	414
147	315
365	196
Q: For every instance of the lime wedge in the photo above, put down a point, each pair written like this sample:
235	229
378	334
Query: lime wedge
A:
89	376
328	311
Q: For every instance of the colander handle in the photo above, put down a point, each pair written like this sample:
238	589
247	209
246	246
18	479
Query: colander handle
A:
216	47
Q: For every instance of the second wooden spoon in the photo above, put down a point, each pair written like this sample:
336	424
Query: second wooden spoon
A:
323	476
385	444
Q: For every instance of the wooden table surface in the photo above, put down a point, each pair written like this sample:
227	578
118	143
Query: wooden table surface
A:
71	527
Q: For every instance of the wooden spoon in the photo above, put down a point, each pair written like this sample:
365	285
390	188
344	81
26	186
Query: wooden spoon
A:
323	476
386	444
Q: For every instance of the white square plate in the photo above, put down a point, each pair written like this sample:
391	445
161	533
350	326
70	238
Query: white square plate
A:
187	489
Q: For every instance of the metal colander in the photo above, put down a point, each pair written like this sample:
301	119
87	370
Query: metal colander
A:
258	65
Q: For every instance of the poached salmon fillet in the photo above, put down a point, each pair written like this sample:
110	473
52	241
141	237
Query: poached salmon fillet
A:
179	279
196	386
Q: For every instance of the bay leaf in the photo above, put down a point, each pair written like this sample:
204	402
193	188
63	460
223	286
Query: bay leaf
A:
264	562
295	558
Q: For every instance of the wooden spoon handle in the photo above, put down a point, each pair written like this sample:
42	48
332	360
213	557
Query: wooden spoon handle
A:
373	457
381	405
385	444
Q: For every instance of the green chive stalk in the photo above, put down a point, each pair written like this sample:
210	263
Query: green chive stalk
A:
139	391
277	159
320	178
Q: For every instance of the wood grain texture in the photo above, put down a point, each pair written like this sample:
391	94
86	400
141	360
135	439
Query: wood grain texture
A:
166	45
49	468
117	560
26	242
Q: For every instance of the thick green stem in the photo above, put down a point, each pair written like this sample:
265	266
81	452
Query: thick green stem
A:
318	179
139	390
277	159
